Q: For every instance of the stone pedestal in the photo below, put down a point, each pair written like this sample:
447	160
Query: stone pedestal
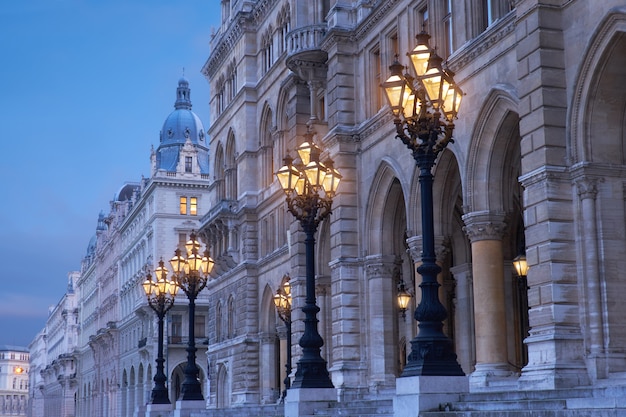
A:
159	410
415	394
184	408
303	402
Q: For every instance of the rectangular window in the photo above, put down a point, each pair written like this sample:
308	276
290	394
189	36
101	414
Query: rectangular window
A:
188	160
494	10
423	20
375	68
447	31
183	205
193	206
394	49
199	326
177	328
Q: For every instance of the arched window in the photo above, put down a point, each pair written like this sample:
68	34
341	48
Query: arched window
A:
231	168
232	80
267	48
231	317
267	148
219	173
218	322
283	23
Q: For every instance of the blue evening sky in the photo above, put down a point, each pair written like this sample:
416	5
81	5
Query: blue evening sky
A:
85	86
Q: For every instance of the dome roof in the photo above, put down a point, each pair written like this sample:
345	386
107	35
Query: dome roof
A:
181	125
126	191
91	247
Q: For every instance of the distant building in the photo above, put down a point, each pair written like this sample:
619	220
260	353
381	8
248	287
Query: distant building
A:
14	370
53	379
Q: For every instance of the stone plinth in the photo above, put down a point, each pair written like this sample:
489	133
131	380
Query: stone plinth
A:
303	402
159	410
415	394
184	408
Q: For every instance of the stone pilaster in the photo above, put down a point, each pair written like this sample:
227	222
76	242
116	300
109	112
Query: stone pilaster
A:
382	325
554	344
464	329
347	368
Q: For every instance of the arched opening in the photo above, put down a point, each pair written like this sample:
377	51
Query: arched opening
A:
387	267
223	387
178	376
598	150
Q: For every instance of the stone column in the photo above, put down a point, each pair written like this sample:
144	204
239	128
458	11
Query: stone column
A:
485	231
587	189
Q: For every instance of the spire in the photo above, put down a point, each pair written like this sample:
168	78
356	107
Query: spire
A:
183	95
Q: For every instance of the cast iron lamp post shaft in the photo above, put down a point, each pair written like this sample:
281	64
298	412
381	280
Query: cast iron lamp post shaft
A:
310	187
159	392
418	104
311	371
191	274
160	295
282	302
191	388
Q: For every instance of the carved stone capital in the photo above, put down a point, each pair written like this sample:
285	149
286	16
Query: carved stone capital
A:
484	226
379	266
587	187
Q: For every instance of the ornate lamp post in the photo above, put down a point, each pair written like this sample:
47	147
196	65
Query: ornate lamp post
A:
191	275
282	301
310	187
160	295
424	108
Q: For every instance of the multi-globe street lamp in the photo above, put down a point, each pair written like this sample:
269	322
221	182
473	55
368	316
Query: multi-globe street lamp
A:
282	302
310	186
160	295
191	274
424	107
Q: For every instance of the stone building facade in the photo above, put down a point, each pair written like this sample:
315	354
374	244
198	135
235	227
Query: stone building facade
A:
14	380
53	361
537	168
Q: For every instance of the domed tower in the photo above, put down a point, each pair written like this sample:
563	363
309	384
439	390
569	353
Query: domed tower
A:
183	147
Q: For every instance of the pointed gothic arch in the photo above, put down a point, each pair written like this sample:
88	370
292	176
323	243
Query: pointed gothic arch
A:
488	151
596	86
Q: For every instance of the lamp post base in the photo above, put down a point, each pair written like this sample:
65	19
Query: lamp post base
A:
432	357
305	401
158	410
312	374
184	408
421	393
